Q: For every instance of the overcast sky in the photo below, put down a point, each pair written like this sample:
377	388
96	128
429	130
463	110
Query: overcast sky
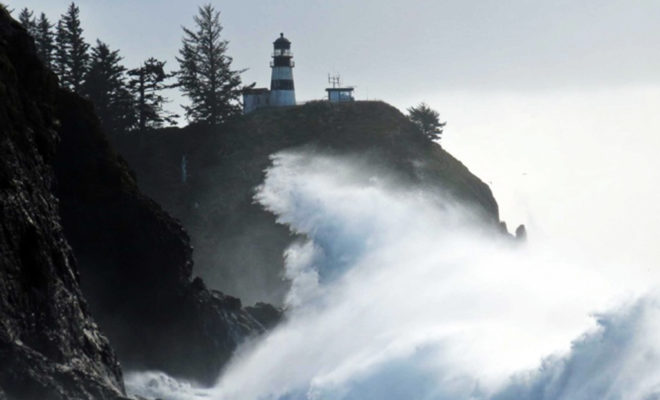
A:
553	103
400	49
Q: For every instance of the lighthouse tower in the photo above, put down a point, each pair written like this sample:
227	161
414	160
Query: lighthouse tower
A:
281	82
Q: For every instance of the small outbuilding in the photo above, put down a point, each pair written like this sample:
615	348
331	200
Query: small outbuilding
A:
337	93
254	98
340	95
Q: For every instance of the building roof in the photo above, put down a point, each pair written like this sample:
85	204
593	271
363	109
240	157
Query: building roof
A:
282	40
255	90
340	89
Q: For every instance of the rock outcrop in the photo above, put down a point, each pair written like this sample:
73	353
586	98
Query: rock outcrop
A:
73	224
50	348
136	261
238	245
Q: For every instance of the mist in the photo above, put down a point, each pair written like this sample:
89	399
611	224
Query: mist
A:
576	166
405	294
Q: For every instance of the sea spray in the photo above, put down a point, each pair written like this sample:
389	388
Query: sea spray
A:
402	293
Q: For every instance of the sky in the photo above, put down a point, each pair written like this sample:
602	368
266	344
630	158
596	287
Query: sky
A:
552	103
400	51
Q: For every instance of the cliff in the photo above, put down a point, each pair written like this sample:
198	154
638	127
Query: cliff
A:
136	261
238	246
50	348
78	239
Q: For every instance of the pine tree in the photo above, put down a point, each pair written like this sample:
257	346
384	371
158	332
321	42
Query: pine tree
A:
105	86
146	85
61	52
76	49
205	75
26	18
427	120
44	39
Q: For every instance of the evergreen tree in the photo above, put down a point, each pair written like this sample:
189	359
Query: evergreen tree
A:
44	39
61	52
26	18
146	85
205	75
427	120
105	86
75	48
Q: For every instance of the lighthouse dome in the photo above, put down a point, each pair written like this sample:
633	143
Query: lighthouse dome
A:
282	42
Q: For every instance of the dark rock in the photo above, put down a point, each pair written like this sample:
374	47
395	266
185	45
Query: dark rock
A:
136	261
521	233
50	348
267	314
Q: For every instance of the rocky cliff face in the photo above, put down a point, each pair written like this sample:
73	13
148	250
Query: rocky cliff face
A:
62	185
50	348
136	261
238	245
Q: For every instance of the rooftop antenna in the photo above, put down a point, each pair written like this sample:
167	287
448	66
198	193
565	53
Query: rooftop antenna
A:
334	80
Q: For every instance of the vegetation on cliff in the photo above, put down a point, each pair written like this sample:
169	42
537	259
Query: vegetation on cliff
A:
129	101
427	120
205	75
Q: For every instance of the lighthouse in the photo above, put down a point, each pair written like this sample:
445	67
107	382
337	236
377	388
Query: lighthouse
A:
281	82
